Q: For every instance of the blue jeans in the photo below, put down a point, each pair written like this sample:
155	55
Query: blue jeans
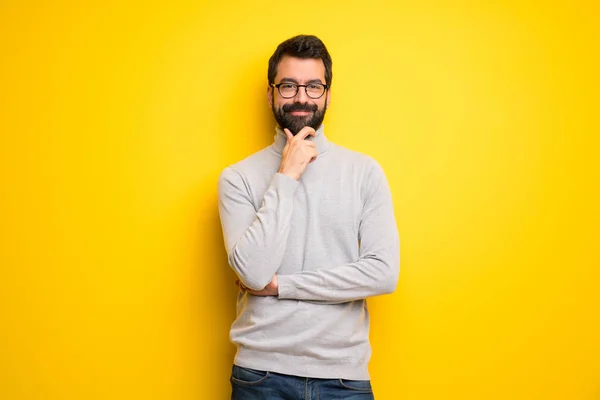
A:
252	384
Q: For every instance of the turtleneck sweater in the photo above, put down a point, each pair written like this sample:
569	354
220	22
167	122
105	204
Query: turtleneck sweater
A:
332	240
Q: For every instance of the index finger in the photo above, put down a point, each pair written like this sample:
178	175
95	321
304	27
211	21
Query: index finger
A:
288	134
305	132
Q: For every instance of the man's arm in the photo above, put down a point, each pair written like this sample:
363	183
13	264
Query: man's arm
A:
377	269
256	240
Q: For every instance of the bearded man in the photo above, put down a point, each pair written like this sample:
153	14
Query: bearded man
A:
310	231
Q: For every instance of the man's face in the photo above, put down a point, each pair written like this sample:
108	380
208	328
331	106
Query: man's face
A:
299	111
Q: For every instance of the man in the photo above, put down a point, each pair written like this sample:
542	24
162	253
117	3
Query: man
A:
310	231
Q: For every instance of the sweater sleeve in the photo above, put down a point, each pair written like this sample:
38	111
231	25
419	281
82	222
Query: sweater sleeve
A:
378	267
255	240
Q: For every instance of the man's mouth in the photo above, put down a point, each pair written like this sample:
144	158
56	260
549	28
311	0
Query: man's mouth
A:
300	110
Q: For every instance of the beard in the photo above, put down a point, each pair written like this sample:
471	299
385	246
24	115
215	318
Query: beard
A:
296	122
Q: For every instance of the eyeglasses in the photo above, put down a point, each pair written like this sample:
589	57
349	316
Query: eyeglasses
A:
288	90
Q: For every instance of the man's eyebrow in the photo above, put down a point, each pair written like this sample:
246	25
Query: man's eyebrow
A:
296	82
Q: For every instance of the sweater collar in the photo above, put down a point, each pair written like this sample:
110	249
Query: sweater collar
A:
320	140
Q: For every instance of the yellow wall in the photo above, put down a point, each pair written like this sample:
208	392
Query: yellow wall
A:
116	119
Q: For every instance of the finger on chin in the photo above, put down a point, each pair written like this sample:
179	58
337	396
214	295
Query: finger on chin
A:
305	132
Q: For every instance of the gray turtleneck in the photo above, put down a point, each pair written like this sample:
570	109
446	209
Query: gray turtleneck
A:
332	240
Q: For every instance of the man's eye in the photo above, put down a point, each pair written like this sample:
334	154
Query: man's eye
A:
287	86
314	87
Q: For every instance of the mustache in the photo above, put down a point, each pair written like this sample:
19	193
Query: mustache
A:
300	107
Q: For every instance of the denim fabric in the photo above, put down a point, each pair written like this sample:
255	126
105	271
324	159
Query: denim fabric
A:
252	384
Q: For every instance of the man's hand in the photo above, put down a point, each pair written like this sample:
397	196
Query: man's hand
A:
272	289
297	153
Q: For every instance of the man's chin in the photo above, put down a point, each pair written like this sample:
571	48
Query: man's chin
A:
297	125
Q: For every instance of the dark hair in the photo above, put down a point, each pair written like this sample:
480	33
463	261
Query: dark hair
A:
301	46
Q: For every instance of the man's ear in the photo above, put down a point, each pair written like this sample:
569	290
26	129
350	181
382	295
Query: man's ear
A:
270	95
328	99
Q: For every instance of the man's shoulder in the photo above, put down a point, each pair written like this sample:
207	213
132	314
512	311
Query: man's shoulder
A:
254	163
354	157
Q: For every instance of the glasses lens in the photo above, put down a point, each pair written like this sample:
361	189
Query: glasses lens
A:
315	90
288	90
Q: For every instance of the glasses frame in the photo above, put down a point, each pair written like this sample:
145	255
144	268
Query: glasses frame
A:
278	85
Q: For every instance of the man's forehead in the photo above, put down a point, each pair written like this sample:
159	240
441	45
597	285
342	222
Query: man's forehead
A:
305	69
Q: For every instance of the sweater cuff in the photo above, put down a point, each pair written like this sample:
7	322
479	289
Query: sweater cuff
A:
285	287
284	183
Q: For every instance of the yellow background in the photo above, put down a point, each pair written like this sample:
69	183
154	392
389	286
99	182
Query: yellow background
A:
116	119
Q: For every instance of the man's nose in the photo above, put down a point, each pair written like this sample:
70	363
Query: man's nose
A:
301	96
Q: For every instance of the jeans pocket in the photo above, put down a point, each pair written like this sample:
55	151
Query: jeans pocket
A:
248	376
363	386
